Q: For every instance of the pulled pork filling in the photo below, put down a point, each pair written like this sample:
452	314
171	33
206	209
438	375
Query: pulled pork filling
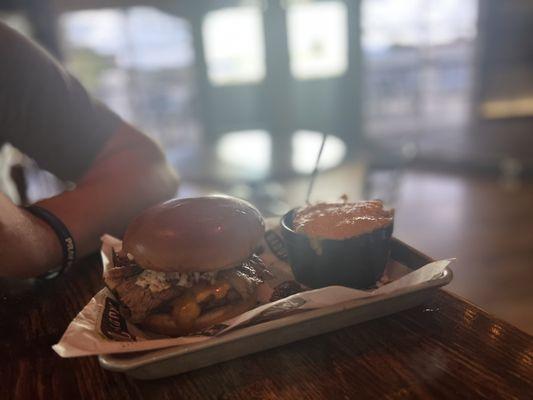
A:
144	292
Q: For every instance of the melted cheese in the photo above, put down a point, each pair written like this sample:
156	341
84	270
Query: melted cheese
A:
186	309
219	289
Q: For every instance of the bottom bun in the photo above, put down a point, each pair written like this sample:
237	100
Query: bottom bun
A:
166	325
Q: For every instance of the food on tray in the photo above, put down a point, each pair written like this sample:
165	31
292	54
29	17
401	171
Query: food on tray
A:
286	289
341	220
339	243
187	264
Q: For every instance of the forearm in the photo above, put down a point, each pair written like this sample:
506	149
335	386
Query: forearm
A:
129	175
118	186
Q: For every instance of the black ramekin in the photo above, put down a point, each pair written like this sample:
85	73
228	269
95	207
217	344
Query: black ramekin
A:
356	262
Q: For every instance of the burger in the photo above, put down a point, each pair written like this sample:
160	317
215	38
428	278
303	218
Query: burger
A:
188	264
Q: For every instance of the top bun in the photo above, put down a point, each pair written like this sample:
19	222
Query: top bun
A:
195	235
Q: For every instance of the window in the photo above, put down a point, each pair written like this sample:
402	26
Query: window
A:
305	147
234	45
418	60
246	153
389	23
317	39
139	61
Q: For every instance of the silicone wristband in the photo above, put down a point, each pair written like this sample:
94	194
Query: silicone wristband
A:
63	234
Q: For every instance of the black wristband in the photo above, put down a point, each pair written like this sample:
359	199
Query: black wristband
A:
63	234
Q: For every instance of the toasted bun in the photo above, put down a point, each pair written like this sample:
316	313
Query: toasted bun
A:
164	324
195	235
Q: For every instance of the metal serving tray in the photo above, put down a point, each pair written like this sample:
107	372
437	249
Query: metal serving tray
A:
175	360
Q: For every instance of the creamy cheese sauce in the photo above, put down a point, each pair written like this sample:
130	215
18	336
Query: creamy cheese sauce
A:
341	220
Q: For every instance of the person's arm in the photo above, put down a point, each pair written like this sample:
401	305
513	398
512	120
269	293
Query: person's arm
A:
129	174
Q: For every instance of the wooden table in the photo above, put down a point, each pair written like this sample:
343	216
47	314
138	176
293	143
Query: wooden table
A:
445	349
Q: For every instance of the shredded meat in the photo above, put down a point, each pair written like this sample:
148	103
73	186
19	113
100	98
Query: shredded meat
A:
285	289
139	301
124	272
124	268
243	279
255	269
115	277
142	301
121	259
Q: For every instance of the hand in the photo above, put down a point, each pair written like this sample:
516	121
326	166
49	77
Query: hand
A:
28	246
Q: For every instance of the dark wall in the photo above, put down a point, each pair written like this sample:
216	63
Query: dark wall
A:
505	71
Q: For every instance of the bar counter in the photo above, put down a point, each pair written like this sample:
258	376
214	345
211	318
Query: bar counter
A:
445	349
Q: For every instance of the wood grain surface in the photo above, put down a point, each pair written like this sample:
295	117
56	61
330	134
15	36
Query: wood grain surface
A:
445	349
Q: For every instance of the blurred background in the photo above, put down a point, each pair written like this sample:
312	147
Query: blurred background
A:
426	104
